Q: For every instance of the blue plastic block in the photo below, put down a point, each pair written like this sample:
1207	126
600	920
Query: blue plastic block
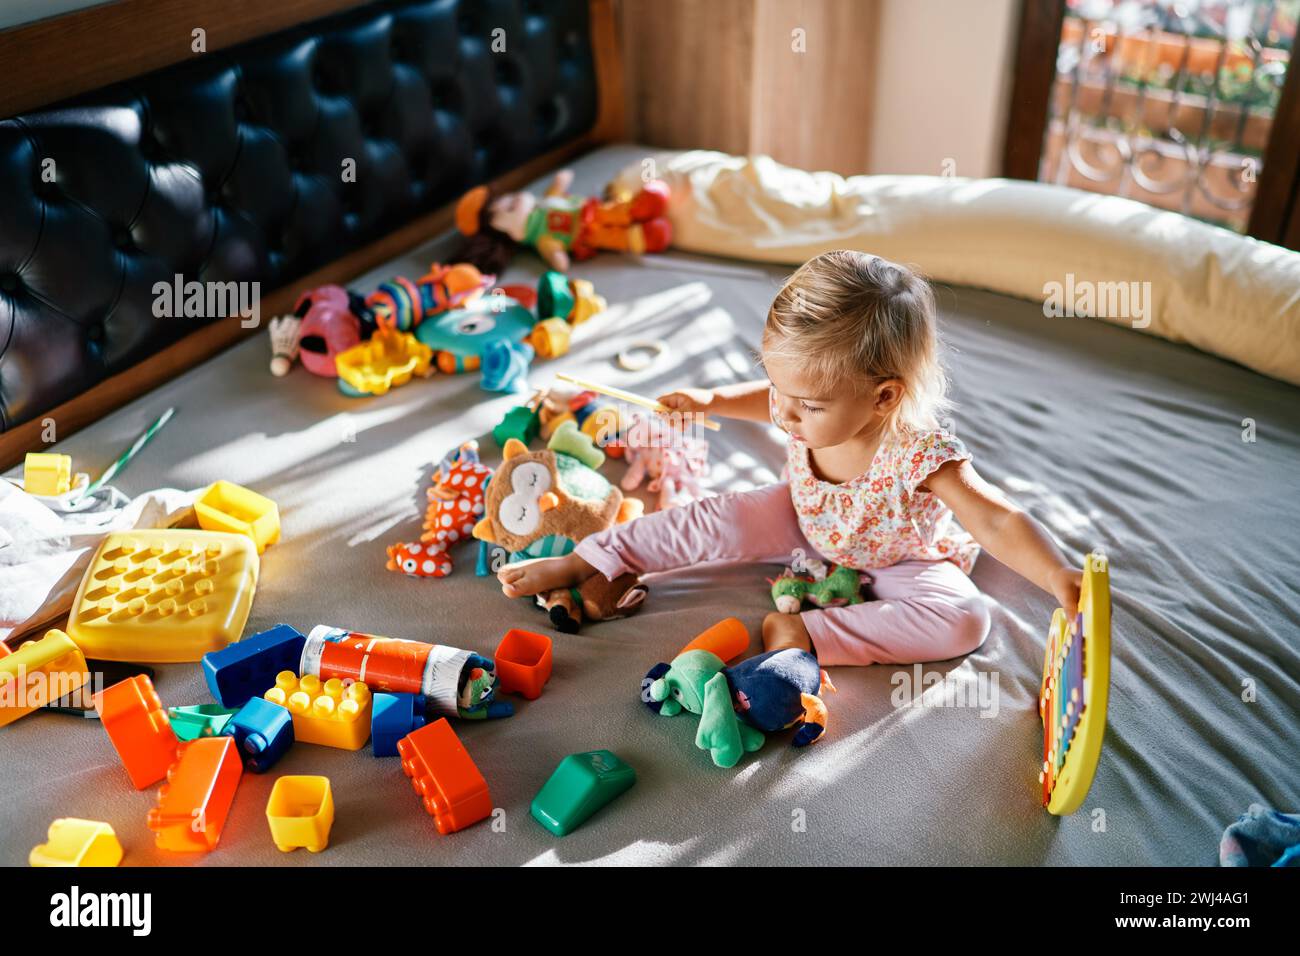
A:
263	731
242	671
392	718
491	558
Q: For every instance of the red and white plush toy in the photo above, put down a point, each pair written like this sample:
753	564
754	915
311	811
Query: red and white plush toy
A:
456	502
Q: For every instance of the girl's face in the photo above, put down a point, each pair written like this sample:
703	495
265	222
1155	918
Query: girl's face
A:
825	420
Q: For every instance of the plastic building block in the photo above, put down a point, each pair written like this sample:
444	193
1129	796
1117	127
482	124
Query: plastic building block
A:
164	595
523	662
264	732
300	813
38	673
569	440
226	506
5	649
202	720
240	672
47	474
142	735
581	785
73	842
491	559
195	800
394	716
442	773
727	639
521	423
332	713
387	360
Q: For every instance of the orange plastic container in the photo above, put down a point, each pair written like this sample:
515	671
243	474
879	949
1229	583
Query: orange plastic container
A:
443	774
194	802
727	639
137	724
523	662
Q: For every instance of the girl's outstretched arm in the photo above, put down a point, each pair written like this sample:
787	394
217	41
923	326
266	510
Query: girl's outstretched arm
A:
1006	531
747	400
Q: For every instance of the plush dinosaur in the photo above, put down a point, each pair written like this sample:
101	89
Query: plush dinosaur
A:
840	587
456	502
738	706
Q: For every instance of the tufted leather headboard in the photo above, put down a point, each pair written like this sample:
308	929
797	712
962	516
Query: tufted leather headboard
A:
230	166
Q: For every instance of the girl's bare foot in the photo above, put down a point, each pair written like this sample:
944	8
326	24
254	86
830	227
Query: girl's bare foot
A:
785	630
543	574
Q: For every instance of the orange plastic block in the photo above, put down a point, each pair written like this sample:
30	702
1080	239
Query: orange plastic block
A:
137	724
523	661
442	772
727	639
164	595
195	800
329	713
37	673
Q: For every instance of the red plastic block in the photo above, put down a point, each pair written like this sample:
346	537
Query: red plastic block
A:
138	726
194	802
523	661
442	772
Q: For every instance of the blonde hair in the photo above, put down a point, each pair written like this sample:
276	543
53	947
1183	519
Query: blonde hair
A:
849	317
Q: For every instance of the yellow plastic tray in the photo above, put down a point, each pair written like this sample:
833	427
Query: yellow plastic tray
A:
164	595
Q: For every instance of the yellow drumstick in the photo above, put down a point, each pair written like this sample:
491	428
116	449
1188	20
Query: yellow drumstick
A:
631	398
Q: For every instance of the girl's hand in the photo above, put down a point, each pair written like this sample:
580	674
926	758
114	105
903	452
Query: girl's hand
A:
688	400
1067	584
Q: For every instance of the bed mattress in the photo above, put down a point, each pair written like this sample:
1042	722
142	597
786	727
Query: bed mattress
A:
1180	466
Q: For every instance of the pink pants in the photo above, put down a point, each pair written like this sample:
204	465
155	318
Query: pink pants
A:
923	610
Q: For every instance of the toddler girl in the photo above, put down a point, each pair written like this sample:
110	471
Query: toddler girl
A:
872	481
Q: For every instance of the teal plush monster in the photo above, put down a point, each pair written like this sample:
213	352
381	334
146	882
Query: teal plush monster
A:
842	586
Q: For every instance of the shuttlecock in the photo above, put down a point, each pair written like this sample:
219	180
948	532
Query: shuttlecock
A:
284	343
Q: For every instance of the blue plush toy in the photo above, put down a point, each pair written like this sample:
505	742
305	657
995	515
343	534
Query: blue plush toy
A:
739	705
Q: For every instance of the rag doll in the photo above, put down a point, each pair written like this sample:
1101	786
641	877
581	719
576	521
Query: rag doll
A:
561	226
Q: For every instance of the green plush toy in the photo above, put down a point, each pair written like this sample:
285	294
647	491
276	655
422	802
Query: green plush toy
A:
696	684
841	587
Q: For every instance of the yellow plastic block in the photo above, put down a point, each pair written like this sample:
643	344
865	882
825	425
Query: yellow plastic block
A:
73	842
300	812
47	474
387	360
226	506
330	713
39	672
164	595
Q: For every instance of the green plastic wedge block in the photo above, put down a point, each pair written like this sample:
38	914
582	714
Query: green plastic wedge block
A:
581	785
201	720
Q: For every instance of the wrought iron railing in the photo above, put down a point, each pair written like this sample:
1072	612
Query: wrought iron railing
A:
1168	101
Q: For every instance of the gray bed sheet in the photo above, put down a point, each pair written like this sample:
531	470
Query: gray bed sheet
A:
1113	439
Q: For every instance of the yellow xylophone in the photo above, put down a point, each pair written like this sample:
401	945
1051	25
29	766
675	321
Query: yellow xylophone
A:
1072	698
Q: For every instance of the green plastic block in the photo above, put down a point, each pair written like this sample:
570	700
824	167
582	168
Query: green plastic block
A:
520	422
568	440
581	785
554	297
201	720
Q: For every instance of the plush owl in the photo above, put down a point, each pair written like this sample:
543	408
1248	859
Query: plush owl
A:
541	504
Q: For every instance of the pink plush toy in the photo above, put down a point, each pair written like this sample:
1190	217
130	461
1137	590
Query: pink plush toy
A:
673	461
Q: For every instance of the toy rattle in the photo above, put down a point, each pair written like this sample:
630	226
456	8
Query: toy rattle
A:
1072	699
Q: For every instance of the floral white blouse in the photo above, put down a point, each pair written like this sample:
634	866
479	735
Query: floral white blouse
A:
880	517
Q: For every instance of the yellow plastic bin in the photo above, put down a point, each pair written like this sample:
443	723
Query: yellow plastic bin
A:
301	812
226	506
73	842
